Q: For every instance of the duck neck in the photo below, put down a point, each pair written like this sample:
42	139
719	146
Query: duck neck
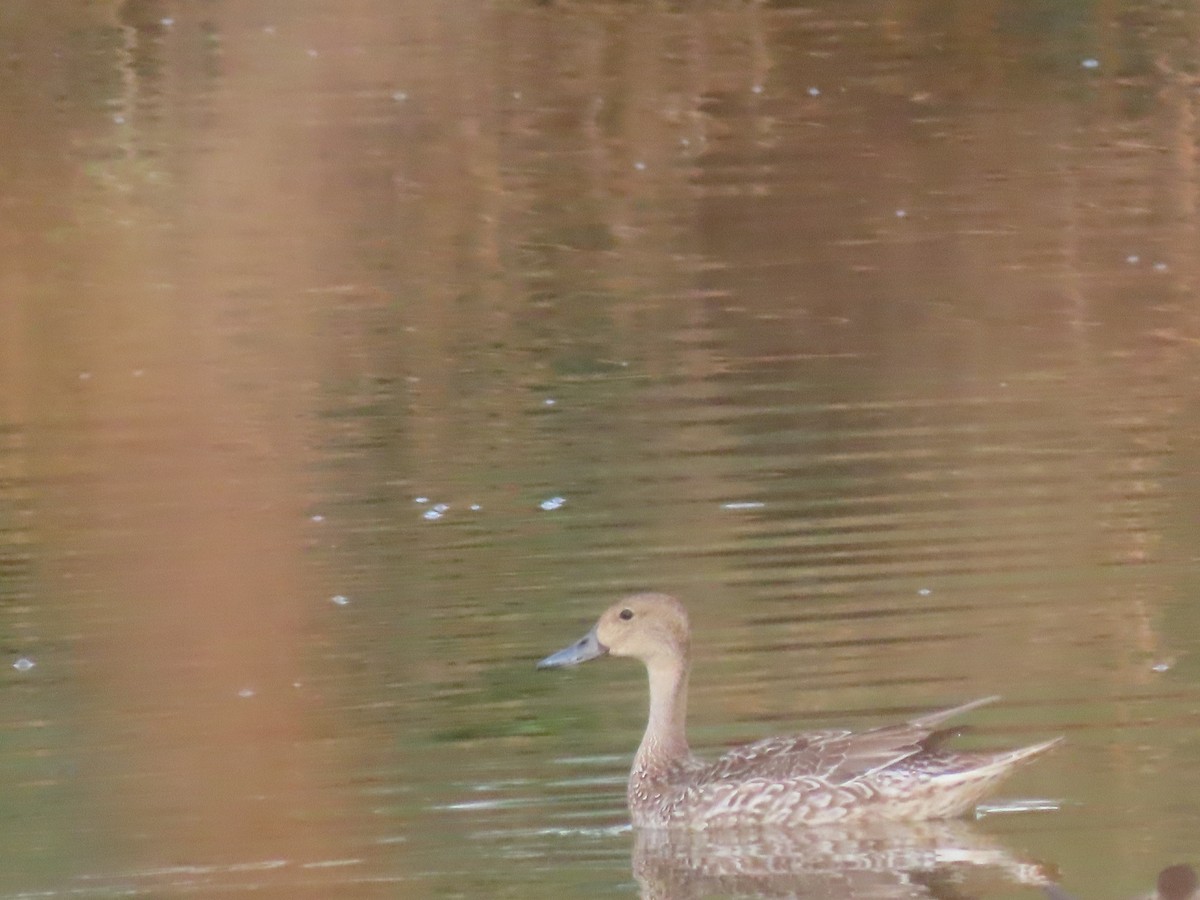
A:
665	741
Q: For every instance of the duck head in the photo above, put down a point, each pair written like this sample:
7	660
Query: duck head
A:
650	627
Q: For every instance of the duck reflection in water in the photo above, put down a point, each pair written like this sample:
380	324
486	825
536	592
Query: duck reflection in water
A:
881	860
899	772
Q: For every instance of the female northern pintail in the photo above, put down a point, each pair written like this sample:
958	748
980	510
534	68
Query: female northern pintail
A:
897	772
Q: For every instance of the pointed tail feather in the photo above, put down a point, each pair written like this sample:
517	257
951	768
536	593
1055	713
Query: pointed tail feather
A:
960	790
933	719
988	768
1012	758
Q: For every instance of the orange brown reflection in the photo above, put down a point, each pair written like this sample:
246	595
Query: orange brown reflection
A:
161	360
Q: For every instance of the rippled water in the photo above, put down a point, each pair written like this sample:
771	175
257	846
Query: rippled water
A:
356	356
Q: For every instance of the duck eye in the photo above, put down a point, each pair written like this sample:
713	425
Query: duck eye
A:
627	614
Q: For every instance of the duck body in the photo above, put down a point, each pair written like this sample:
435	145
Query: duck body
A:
894	773
898	772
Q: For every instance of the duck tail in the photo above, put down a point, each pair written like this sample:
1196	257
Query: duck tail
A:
937	717
1012	758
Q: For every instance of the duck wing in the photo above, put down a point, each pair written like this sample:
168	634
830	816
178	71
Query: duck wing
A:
779	758
835	757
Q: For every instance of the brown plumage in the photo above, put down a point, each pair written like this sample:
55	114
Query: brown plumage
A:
897	772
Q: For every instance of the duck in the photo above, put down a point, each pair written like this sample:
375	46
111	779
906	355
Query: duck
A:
898	773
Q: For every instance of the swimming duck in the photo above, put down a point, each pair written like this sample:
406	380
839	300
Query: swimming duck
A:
895	773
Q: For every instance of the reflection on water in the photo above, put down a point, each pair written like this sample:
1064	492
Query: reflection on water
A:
872	332
927	859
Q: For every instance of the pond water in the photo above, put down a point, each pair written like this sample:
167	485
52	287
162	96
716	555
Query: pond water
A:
356	355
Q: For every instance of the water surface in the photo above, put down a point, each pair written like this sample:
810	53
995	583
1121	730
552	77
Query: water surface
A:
355	356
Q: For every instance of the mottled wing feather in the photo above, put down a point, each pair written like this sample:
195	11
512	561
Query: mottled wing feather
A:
881	748
872	751
833	757
777	758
